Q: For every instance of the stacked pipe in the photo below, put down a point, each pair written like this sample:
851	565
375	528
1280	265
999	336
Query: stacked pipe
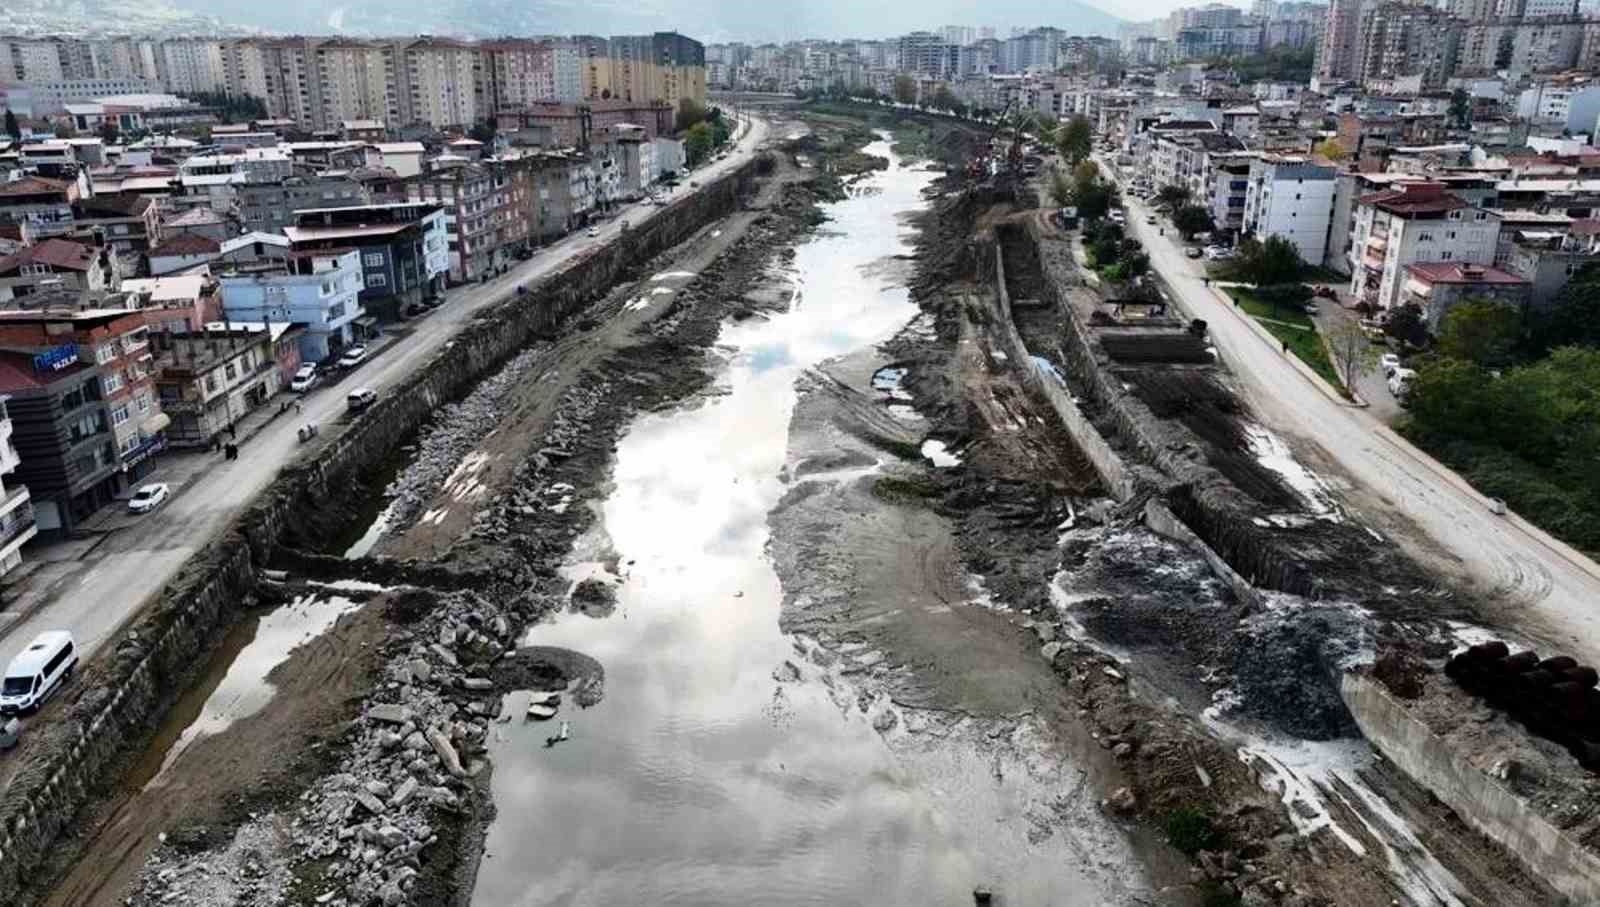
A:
1554	697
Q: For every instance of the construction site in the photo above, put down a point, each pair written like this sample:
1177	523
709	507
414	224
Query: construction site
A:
841	537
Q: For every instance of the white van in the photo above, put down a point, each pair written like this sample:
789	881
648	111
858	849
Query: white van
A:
36	673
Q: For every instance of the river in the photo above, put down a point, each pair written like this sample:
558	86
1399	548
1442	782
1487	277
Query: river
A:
708	775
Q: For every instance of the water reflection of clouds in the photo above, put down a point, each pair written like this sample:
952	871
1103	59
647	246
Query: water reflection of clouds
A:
677	788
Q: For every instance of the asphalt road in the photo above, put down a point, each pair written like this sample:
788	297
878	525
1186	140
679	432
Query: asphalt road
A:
1538	586
133	565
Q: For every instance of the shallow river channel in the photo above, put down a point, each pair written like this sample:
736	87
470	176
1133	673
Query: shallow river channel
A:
707	775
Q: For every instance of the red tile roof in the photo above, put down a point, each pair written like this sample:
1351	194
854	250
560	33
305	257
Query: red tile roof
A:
186	244
1415	198
1458	272
33	185
17	373
55	252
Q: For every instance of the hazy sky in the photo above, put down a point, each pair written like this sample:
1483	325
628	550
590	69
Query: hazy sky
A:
724	20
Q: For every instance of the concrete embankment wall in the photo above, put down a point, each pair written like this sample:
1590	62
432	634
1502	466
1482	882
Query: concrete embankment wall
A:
1114	474
1196	492
1485	803
76	756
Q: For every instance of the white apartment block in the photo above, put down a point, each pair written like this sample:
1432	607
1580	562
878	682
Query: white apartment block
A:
31	60
567	72
441	81
1416	222
1291	197
191	64
353	83
520	71
1567	104
244	69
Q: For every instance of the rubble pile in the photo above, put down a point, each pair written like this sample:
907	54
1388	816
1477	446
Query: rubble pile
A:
534	488
363	835
452	434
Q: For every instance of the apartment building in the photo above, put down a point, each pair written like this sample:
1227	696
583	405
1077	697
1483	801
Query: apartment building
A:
478	218
45	205
1404	39
1292	198
1411	223
188	65
355	81
439	83
1435	287
320	290
269	207
405	256
1225	189
85	414
211	378
17	524
520	71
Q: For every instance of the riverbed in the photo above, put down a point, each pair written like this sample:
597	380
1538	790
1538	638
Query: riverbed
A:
722	766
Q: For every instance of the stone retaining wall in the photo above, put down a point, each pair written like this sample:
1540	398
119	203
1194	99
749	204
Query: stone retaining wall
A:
150	664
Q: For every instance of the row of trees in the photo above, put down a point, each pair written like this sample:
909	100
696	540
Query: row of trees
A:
705	135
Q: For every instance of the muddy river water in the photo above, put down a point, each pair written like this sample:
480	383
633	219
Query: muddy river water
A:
712	772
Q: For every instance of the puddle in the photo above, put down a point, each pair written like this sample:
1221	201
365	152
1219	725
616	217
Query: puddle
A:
715	771
939	455
240	669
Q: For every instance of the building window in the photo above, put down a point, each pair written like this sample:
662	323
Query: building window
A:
1447	255
104	353
229	372
119	414
374	259
377	280
143	401
110	383
1450	235
211	383
336	311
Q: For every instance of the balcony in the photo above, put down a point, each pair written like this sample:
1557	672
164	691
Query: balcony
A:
17	525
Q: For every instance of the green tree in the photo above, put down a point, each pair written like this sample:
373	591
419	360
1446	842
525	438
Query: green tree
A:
1094	198
1045	126
13	128
697	143
1263	263
690	112
1173	196
108	132
1573	320
1061	190
1076	141
1451	398
1192	219
1330	149
1481	331
1406	325
1085	172
945	99
483	132
1461	108
905	89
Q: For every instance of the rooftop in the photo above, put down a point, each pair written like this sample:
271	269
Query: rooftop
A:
1415	198
55	252
33	185
1455	272
186	244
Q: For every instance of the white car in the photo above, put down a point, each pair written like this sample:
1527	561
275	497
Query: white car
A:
593	231
1218	253
1389	362
305	378
353	357
1400	382
149	498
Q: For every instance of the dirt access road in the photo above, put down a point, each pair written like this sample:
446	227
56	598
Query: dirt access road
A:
1531	582
133	565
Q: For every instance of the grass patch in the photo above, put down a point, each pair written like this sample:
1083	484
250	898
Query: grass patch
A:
905	450
1190	830
1307	344
1541	496
1247	300
897	489
1294	329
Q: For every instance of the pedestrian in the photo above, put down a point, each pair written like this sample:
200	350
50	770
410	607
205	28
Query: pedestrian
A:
216	443
232	432
1207	280
1286	346
297	407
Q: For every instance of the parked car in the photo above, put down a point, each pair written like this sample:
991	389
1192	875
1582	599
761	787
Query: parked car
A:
1389	362
1374	330
353	357
1150	219
38	672
1218	253
1192	251
1325	293
149	498
1400	382
593	232
305	378
361	398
